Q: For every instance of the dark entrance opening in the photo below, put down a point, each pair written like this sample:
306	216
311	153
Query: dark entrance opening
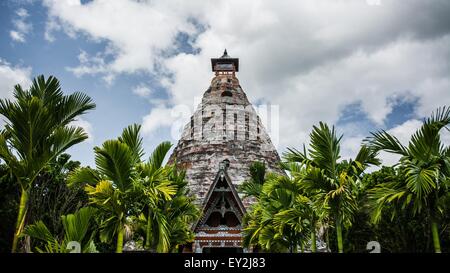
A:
223	250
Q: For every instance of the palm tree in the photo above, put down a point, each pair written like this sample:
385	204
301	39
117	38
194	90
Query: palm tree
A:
278	221
180	212
304	207
253	186
426	162
111	185
156	188
293	218
288	215
37	130
77	228
328	181
122	185
169	211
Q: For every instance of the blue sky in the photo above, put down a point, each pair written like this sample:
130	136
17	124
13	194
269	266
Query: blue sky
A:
361	65
117	106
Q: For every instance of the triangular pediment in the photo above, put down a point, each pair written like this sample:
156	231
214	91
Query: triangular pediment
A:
222	205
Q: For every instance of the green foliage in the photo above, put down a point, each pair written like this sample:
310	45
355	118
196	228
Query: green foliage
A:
425	162
169	212
37	130
253	187
148	196
398	229
328	182
281	220
9	204
405	207
37	126
76	229
50	197
111	186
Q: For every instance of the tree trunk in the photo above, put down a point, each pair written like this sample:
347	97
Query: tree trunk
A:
313	240
148	230
435	233
23	206
119	239
339	236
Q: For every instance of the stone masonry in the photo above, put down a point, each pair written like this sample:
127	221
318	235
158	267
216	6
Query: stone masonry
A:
225	126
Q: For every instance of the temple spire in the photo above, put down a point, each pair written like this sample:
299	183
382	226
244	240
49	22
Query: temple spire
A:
225	54
225	64
216	150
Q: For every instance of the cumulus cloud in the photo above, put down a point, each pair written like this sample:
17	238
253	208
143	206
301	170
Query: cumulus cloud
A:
169	117
137	32
92	65
312	58
12	75
21	26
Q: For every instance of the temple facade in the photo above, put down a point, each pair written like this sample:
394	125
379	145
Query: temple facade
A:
222	139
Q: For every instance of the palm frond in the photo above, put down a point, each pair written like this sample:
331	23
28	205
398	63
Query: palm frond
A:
382	140
385	195
258	172
65	137
294	155
250	189
325	148
366	157
76	225
420	180
163	233
160	152
426	142
72	106
115	161
39	231
83	176
253	187
131	137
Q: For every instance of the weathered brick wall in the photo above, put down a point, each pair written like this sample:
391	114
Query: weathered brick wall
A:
224	126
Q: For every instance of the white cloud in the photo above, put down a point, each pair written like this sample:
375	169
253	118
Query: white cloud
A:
405	130
159	117
21	26
17	36
51	26
12	75
142	90
162	116
87	127
137	32
89	64
312	58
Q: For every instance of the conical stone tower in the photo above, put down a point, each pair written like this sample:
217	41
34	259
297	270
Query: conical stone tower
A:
223	138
